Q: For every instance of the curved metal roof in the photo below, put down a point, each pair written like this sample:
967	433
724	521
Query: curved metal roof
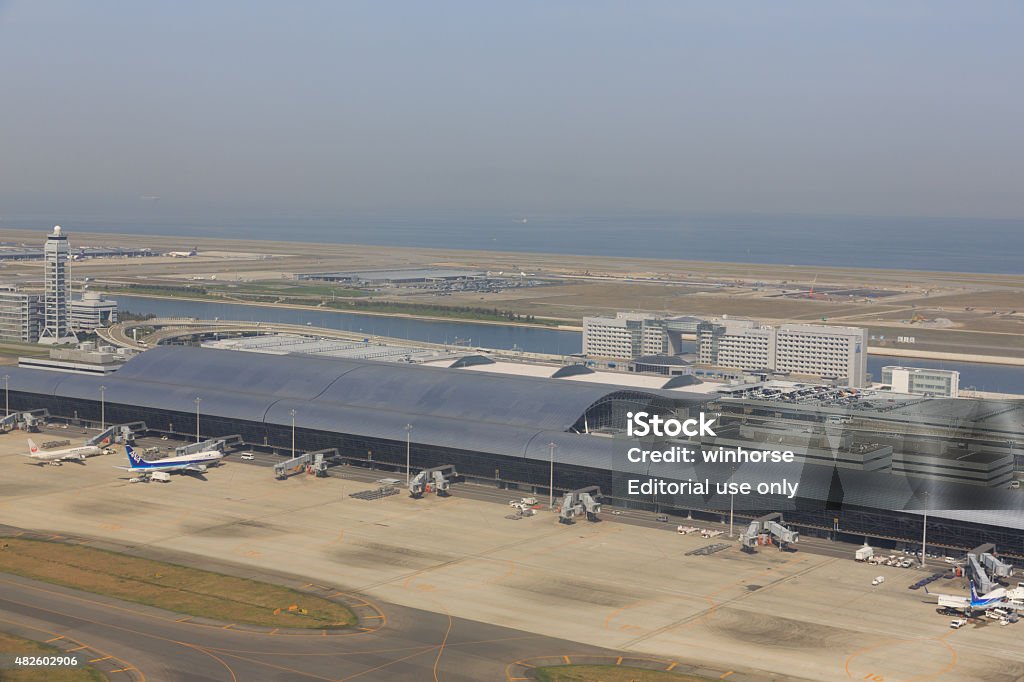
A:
325	392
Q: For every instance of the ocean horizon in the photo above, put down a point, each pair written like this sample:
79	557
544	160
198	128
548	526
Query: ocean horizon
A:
988	246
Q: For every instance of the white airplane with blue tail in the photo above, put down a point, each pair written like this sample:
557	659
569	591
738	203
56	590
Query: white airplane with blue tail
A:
194	463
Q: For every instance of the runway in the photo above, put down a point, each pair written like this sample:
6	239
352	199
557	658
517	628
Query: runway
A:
132	642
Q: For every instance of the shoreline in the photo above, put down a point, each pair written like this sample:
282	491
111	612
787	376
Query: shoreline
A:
872	350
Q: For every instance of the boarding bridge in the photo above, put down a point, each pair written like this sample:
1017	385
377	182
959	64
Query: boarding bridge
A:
439	478
579	502
117	433
28	421
764	529
219	444
310	462
984	568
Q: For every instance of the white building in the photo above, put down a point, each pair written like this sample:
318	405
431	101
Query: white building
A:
21	315
838	353
743	344
57	291
832	352
626	336
941	383
629	336
92	311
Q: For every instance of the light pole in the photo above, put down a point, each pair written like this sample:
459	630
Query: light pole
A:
293	433
198	400
7	396
732	494
103	409
924	530
551	476
408	448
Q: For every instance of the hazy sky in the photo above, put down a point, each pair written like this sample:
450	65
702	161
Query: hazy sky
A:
877	108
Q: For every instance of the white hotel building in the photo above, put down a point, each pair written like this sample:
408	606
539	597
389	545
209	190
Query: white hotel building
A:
838	353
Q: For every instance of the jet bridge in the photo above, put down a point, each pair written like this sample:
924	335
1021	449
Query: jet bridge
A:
219	444
439	478
764	529
985	568
24	420
579	502
117	433
311	462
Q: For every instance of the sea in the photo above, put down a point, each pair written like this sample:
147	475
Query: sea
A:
933	244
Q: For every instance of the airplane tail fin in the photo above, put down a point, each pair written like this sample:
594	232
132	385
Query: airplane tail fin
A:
974	592
32	447
133	457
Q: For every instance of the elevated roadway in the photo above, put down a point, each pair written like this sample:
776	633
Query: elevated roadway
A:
169	329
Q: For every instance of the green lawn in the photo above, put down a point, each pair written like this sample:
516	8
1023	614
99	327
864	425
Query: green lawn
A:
169	586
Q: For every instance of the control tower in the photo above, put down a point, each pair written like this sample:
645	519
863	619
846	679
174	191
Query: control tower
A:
56	299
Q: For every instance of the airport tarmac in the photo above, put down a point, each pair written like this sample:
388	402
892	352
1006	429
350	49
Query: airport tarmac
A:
622	587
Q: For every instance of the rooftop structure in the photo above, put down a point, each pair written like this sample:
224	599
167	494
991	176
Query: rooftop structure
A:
86	358
367	349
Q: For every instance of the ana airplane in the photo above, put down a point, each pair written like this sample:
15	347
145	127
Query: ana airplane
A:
195	463
972	603
55	457
184	254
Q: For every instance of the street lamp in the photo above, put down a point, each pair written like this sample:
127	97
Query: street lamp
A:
551	476
198	400
293	433
408	441
732	494
7	397
103	409
924	529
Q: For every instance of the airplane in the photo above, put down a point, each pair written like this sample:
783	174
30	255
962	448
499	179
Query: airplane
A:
184	254
55	457
195	463
972	603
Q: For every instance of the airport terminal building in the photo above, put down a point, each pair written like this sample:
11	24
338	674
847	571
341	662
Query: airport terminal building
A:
499	429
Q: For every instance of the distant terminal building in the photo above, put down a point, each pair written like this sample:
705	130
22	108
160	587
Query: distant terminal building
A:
21	314
838	353
628	336
403	276
11	251
92	311
57	291
938	383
